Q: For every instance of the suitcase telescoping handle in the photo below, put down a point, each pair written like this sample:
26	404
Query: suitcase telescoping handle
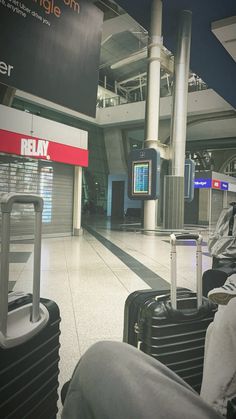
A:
7	200
173	239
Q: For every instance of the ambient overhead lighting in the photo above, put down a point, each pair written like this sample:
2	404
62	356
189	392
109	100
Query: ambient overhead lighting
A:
140	55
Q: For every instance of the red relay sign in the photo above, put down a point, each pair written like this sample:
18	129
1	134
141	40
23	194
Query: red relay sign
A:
38	148
215	184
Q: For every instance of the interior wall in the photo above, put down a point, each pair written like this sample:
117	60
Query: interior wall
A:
204	206
128	203
115	151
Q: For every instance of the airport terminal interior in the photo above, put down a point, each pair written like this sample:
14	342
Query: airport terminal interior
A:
91	274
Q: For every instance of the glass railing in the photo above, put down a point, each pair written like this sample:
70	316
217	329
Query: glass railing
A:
194	86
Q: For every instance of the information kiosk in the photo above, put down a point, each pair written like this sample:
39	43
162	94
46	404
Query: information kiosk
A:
144	174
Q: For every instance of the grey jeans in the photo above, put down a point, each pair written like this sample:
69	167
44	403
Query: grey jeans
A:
114	380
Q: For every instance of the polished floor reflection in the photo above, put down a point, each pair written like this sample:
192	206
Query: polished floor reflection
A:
91	276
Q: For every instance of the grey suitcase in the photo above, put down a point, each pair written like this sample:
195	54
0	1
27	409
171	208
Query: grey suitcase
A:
29	333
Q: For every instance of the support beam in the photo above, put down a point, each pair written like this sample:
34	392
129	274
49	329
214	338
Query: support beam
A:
77	229
153	99
181	75
174	184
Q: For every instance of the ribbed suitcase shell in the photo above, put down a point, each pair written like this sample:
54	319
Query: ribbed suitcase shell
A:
133	303
174	337
132	306
29	372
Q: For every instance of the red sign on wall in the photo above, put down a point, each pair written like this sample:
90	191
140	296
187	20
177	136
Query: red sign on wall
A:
37	148
215	184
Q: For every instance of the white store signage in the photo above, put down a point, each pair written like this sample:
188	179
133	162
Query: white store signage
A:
232	187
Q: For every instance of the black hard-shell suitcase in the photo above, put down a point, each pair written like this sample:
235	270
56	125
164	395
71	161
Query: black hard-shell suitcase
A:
171	325
29	333
132	306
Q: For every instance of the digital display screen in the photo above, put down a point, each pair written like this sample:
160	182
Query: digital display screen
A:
143	174
141	177
187	179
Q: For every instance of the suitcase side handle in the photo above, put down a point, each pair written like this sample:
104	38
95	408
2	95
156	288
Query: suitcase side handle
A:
7	201
173	239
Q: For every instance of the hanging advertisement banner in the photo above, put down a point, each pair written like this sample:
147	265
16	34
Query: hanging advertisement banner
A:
51	49
38	148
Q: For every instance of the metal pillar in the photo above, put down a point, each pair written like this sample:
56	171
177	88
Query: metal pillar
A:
174	201
77	229
153	99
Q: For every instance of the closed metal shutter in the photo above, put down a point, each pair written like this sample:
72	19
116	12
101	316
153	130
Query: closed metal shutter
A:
53	181
216	205
231	197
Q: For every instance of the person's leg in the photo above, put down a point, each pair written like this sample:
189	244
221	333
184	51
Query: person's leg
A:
116	381
219	373
223	294
212	278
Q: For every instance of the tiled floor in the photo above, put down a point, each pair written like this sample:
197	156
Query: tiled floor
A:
91	276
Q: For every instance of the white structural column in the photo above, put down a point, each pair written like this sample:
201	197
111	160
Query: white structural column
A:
174	183
153	99
181	75
77	229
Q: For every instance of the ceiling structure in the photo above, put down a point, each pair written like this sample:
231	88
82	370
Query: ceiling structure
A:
225	31
123	59
213	45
